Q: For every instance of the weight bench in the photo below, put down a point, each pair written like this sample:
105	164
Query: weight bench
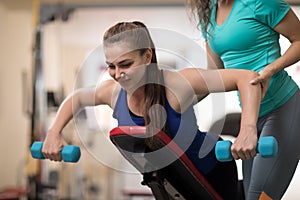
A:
177	179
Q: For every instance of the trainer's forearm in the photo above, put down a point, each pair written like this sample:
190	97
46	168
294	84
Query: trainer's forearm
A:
290	57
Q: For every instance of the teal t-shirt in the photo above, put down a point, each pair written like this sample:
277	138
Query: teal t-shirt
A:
246	40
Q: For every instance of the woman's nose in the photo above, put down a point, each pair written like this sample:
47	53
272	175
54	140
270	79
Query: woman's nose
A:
118	73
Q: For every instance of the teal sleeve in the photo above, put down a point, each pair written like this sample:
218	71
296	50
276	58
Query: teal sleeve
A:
271	12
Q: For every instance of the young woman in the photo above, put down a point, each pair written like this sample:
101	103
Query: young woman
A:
244	34
143	94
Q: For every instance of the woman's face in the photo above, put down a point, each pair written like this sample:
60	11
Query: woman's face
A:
125	65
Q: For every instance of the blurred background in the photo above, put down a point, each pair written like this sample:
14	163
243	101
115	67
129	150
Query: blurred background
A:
51	47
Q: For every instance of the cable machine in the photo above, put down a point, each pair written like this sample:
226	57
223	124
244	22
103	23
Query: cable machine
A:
42	15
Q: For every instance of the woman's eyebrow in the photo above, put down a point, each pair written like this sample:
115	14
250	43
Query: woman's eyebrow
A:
125	61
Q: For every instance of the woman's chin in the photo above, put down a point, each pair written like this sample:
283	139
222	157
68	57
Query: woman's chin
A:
126	84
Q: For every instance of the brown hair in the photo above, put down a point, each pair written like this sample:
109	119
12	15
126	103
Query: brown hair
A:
137	35
201	10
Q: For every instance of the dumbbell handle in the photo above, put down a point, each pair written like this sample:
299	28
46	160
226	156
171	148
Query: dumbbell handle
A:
69	153
267	147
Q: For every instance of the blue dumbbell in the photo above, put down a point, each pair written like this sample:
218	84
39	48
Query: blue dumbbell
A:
69	153
267	147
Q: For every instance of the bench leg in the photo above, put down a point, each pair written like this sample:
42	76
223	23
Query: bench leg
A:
161	189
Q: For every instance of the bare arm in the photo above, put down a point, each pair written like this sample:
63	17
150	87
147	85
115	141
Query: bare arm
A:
79	99
213	60
71	106
210	81
289	27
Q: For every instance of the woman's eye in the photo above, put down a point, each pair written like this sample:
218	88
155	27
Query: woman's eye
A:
111	66
128	64
120	65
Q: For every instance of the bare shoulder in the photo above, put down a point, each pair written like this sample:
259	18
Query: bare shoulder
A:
179	92
106	92
180	77
173	79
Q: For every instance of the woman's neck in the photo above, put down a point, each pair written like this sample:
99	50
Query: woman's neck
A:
136	101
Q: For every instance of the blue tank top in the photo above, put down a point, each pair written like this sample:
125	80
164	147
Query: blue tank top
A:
182	128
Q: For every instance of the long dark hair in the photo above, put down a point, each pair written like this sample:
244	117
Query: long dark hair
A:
201	11
136	34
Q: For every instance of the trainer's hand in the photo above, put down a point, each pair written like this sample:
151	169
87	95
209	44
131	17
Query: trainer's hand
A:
53	145
244	146
263	79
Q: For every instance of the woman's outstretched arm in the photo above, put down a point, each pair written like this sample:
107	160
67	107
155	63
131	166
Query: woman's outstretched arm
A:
211	81
68	109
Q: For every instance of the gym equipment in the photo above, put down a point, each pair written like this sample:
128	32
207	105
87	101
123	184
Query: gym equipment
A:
178	180
42	14
267	147
69	153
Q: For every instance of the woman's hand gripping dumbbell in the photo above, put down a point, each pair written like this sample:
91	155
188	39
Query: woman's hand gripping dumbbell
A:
69	153
267	147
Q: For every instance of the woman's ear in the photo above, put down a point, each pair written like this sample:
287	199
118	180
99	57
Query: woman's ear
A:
148	56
